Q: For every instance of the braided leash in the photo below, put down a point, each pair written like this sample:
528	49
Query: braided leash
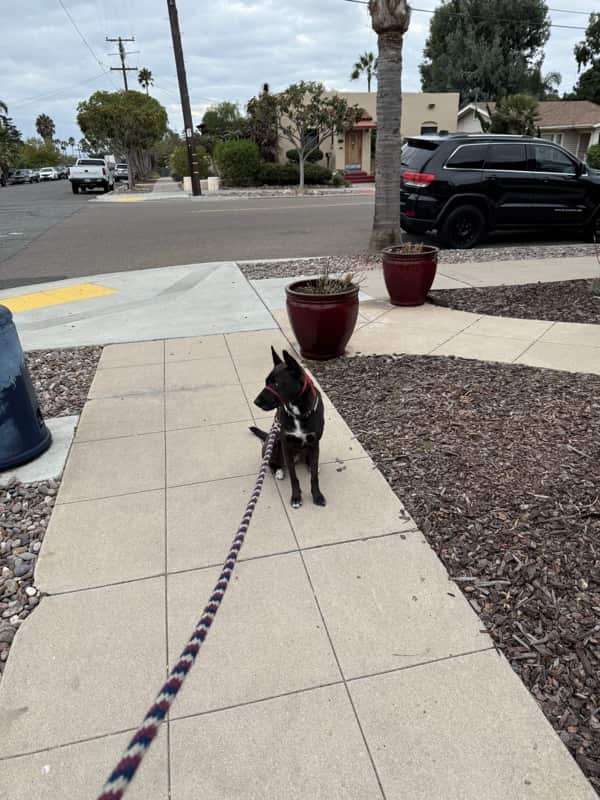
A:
123	774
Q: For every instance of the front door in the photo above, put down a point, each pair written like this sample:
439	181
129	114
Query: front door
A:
560	196
354	150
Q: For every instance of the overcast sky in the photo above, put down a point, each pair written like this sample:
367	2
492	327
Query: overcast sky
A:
231	48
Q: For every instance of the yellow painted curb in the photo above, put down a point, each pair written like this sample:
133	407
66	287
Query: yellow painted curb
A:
55	297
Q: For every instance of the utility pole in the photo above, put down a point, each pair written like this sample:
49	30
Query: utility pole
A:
185	98
122	54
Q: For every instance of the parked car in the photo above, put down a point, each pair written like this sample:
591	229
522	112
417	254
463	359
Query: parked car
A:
92	173
468	185
121	172
48	174
20	176
35	175
63	172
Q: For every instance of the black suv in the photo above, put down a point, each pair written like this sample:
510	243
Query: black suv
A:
467	185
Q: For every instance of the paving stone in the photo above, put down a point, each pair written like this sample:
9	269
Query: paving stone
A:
268	638
208	406
128	380
200	373
121	416
195	347
305	745
133	354
388	603
83	646
463	728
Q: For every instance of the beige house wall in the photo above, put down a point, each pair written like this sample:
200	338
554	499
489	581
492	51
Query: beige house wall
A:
418	108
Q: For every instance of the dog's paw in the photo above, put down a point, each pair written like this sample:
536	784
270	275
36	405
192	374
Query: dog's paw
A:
296	501
319	499
279	474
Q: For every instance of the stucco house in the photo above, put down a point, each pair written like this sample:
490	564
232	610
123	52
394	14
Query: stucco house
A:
574	124
354	151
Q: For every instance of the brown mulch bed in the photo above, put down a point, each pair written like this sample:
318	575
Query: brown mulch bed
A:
565	301
499	464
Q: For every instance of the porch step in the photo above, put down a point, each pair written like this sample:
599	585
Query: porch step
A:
359	177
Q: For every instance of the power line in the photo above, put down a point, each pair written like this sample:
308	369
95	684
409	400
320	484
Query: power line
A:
81	36
58	91
494	19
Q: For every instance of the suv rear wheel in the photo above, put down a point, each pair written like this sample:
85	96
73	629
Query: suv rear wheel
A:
463	228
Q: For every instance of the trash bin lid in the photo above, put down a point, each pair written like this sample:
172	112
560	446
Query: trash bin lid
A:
5	316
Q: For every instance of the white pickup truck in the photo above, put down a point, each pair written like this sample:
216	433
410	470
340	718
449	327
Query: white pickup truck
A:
93	173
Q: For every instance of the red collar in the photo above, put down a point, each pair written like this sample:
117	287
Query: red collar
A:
307	384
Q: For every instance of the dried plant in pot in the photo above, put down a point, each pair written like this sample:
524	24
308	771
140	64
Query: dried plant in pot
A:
409	271
323	313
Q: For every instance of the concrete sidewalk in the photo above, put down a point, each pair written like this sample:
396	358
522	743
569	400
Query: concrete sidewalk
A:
434	330
343	664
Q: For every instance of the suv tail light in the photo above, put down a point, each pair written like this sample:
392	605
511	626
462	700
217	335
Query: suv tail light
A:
417	179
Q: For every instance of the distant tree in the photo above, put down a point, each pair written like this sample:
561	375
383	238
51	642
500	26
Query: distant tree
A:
10	141
390	20
587	54
516	114
123	123
163	150
71	144
485	49
36	153
145	78
222	123
262	123
45	127
367	63
307	117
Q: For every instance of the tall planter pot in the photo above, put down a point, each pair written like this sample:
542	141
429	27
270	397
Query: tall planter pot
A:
322	323
409	275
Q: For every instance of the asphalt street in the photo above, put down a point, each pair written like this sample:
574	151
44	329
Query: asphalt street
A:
48	233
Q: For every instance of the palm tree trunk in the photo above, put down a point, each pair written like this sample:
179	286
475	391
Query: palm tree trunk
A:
368	80
386	222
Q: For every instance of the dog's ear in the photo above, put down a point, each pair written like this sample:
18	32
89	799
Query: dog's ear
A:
276	359
291	363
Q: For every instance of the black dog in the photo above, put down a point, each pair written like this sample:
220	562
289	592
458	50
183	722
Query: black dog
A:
300	413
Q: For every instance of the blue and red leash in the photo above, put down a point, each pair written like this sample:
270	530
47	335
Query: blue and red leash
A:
123	774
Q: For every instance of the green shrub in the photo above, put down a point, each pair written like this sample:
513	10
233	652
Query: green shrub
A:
292	155
178	163
238	162
593	156
338	179
289	174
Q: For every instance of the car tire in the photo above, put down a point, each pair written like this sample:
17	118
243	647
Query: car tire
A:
75	188
105	187
413	228
591	232
462	228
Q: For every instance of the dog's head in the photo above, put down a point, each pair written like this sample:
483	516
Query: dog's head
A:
284	384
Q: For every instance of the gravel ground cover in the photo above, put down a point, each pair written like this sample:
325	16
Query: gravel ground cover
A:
498	464
62	379
566	301
361	263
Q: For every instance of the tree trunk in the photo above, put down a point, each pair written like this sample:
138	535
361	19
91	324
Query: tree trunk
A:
301	167
368	81
130	178
386	221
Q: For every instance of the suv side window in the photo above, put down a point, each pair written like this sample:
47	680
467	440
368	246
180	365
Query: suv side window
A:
549	159
506	157
467	156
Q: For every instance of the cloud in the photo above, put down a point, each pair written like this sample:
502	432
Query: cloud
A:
231	48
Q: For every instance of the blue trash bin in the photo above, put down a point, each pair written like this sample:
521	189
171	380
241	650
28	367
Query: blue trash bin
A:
23	434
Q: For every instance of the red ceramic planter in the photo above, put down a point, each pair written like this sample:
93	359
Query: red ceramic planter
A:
322	323
409	276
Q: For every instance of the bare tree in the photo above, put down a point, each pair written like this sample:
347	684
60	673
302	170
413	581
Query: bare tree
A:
390	20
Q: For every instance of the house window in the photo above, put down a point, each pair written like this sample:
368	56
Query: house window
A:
556	138
429	127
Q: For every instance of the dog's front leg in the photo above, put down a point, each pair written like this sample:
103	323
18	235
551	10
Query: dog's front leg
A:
288	457
317	495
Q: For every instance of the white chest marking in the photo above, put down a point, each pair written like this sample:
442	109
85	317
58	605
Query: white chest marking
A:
297	431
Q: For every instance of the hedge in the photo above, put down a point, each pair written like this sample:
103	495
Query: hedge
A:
238	162
593	156
178	163
289	174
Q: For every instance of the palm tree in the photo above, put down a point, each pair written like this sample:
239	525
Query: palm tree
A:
46	128
71	144
3	110
367	63
390	20
145	78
